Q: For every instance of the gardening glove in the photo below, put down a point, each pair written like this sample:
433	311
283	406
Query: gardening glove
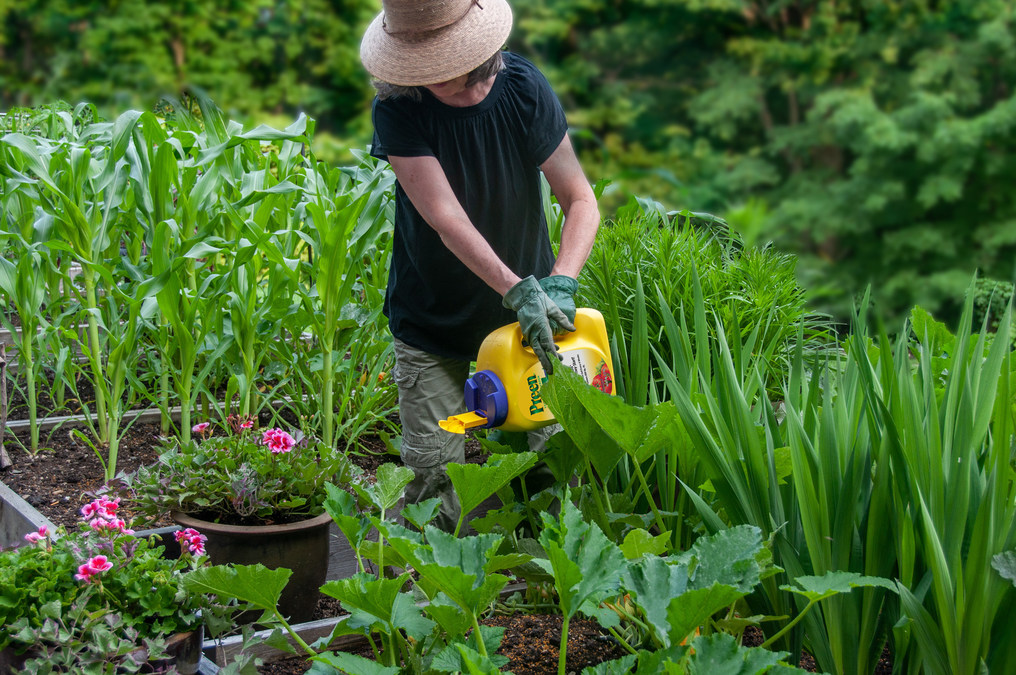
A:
561	289
536	311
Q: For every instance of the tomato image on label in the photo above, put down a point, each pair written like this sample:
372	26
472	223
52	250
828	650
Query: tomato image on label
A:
602	380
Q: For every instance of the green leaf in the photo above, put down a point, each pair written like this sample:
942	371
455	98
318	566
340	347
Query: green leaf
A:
453	621
387	491
720	653
639	542
421	513
583	560
341	506
692	609
458	567
352	664
473	483
1005	564
727	557
654	583
255	584
832	583
621	666
373	601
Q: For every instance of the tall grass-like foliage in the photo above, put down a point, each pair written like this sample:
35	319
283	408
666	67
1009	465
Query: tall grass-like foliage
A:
647	267
891	461
946	406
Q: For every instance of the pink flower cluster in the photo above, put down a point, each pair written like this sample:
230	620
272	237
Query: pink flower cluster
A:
33	537
191	540
101	516
95	565
278	441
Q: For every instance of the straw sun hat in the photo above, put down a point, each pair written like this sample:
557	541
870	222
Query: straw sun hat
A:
418	42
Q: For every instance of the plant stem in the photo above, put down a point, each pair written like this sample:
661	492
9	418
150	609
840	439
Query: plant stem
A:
481	648
624	643
563	649
95	350
790	624
652	502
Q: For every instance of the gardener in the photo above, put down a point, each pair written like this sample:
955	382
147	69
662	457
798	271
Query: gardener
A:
467	129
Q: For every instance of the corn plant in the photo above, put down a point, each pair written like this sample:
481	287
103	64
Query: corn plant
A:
22	285
344	216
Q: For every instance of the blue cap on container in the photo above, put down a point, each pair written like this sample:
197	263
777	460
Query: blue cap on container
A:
486	395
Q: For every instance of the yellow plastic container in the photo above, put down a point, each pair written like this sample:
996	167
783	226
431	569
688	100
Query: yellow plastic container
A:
505	390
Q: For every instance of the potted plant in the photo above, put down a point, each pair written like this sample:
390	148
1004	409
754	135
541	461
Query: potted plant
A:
101	599
257	494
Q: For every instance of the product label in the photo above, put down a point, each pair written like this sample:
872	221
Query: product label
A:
591	366
586	362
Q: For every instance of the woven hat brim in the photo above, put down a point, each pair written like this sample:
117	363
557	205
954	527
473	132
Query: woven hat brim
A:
440	55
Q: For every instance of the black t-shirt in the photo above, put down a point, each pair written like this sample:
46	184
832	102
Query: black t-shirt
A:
490	153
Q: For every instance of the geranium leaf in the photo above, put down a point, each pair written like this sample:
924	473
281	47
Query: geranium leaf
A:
255	584
475	482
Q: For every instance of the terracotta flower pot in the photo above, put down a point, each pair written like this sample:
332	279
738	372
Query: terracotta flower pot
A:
301	547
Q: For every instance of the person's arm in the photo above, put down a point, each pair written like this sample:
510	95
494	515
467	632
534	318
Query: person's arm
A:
425	183
581	213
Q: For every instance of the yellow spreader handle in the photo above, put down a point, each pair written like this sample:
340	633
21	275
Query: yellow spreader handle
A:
457	424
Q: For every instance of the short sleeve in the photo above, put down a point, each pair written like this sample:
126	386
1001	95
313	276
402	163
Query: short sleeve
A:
396	132
548	125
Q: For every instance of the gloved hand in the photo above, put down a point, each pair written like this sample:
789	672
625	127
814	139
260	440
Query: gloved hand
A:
561	289
536	311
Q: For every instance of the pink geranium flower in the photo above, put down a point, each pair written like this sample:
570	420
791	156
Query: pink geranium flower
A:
200	428
95	565
191	540
278	441
33	537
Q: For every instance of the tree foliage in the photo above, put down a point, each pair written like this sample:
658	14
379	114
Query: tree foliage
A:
873	138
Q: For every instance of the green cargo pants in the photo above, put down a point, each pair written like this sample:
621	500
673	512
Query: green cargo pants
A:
430	389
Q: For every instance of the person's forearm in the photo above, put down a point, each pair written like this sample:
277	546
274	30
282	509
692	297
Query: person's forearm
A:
469	246
582	219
